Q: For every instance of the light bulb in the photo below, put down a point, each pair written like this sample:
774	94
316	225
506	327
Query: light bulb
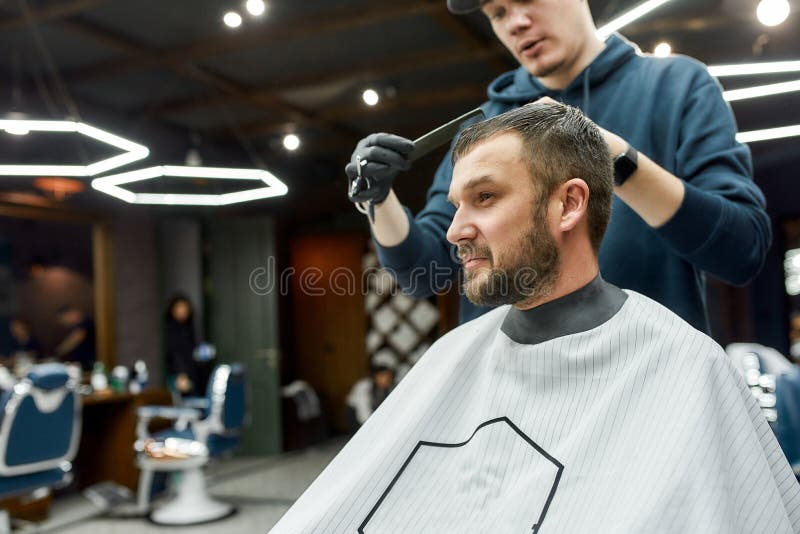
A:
662	50
256	7
232	19
772	12
370	97
291	142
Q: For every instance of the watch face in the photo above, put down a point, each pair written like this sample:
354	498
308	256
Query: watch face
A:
623	168
626	166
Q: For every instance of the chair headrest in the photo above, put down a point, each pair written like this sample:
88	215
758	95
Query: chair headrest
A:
48	376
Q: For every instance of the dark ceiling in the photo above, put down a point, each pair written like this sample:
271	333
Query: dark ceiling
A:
169	74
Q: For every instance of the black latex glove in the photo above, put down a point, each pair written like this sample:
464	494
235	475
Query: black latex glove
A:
386	156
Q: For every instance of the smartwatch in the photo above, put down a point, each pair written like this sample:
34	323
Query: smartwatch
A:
624	165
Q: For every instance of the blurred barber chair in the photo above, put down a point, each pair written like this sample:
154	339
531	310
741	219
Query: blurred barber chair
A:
302	416
775	383
211	428
40	426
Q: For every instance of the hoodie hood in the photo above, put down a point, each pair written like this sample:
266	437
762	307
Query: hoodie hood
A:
519	86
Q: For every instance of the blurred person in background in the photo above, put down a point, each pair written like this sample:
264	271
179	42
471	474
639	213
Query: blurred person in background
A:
22	342
181	341
370	392
79	345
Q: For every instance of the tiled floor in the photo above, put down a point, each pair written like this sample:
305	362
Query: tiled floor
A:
261	488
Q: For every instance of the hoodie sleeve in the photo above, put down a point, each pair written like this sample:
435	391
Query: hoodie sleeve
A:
722	226
424	263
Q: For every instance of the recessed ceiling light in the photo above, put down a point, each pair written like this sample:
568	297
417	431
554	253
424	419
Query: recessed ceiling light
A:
256	7
772	12
662	50
232	19
291	142
371	97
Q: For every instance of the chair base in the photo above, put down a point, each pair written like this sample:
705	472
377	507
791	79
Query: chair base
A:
192	504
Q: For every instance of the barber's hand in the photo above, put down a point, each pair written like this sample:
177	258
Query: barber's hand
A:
386	155
616	144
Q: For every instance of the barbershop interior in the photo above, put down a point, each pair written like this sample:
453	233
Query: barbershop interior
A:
194	316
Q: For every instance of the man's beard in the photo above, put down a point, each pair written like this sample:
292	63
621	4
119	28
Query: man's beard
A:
529	272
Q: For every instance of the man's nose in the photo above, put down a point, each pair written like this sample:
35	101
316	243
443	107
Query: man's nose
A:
460	229
518	19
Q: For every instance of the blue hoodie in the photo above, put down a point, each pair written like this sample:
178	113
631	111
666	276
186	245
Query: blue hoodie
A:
670	109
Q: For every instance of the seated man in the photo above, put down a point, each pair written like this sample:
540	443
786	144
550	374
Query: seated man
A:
575	407
368	393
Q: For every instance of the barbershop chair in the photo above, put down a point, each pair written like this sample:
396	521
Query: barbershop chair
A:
775	383
40	426
210	429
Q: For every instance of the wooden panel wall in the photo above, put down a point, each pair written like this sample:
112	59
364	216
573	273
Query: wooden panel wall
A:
329	324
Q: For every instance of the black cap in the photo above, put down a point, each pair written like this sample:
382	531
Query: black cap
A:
462	7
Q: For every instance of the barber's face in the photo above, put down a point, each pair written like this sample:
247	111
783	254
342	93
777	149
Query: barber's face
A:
545	36
502	234
181	311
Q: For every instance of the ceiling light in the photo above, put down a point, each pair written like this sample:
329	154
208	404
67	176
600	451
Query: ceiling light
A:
291	142
762	90
769	133
371	97
629	16
133	151
772	12
745	69
232	19
256	7
662	50
111	186
17	130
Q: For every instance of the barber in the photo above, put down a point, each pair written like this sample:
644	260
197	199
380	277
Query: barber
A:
685	202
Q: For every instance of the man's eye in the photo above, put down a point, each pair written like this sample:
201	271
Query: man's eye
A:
484	197
498	14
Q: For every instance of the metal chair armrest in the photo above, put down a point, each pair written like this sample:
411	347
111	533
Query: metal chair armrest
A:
167	412
181	416
198	403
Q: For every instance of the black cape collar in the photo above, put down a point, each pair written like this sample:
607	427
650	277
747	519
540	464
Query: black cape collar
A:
579	311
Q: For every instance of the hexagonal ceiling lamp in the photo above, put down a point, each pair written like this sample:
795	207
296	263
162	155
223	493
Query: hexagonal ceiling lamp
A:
111	185
132	151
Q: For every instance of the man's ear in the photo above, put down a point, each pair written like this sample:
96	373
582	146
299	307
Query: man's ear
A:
574	198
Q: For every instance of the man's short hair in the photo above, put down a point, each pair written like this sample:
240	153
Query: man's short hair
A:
560	143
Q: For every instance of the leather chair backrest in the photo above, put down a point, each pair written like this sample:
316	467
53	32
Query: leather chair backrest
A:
39	422
228	398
